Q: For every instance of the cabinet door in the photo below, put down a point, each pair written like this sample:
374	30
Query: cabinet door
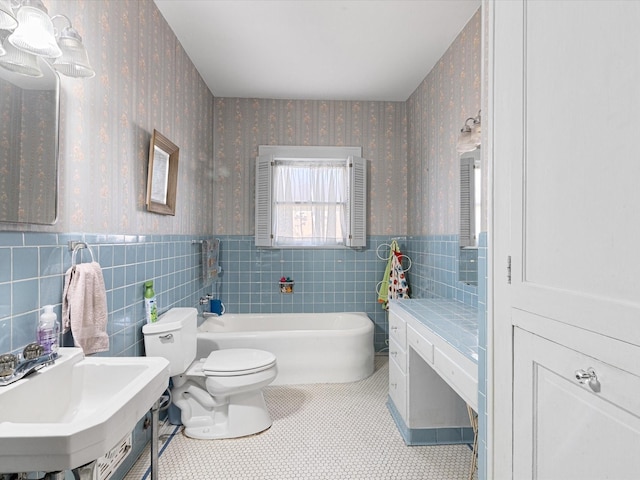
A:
565	429
575	186
565	96
398	388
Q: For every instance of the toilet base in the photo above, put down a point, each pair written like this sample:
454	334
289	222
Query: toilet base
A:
235	416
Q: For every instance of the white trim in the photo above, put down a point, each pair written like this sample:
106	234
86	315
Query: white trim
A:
505	151
356	237
293	151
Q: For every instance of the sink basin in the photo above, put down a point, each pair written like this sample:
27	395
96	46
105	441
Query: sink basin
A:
74	411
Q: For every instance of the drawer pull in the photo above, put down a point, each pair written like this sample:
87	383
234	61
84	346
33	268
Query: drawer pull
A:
589	377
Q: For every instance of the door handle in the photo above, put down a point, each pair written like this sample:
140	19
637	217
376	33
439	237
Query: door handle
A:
589	377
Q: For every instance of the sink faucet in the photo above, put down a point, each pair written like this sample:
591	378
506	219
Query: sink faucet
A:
14	367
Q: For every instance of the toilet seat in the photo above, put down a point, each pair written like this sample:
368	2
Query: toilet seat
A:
237	361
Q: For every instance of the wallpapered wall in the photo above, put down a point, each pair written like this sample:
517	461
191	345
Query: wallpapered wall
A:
144	80
243	124
106	124
436	111
410	145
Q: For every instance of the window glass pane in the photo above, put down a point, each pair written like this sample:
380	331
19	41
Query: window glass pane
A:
309	203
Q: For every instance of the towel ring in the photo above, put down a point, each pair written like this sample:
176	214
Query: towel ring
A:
77	247
378	251
409	259
402	256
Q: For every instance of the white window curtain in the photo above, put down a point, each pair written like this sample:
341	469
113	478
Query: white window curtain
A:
310	200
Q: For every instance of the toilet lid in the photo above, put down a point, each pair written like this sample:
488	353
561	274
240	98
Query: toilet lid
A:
237	361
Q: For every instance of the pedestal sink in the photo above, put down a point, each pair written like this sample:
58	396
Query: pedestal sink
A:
74	411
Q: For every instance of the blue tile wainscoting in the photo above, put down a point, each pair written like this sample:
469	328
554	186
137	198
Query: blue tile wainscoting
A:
32	268
335	280
325	280
435	269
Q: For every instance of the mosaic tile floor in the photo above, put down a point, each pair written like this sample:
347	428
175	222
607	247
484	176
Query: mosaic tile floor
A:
319	432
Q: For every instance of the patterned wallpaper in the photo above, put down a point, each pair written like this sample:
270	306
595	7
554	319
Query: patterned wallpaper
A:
144	80
436	111
411	145
149	82
243	124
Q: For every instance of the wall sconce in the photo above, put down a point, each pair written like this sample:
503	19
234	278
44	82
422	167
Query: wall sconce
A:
7	18
470	135
19	61
34	35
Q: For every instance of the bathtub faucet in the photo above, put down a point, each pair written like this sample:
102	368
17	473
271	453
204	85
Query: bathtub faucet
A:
216	307
204	300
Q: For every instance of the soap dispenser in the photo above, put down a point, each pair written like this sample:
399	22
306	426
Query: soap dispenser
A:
48	330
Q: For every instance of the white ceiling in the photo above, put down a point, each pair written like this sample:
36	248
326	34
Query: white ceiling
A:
316	49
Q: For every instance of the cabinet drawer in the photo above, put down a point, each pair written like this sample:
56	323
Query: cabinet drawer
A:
420	344
398	389
455	375
398	354
398	329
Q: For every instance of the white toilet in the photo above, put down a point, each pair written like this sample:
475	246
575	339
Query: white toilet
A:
219	396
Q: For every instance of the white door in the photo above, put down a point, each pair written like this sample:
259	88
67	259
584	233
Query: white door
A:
566	97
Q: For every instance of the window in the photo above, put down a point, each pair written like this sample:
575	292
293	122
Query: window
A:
310	197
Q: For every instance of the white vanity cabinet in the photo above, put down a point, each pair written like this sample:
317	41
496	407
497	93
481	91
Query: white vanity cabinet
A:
430	380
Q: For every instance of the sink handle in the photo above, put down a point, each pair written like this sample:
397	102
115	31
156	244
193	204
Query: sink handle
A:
8	363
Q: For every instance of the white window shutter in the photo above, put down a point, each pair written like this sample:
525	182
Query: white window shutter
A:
357	207
263	234
467	196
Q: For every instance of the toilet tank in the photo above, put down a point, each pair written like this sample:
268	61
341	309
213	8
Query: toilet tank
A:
173	337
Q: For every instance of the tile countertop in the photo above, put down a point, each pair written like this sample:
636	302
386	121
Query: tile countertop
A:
455	322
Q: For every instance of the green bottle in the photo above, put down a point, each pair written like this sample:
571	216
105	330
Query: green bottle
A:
150	307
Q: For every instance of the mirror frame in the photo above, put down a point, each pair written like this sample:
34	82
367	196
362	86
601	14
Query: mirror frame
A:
168	176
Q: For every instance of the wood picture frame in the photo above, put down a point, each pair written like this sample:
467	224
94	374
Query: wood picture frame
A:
162	176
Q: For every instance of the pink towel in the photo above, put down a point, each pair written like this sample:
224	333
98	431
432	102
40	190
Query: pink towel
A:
84	307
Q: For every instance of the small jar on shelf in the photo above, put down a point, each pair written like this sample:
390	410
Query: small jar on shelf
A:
286	285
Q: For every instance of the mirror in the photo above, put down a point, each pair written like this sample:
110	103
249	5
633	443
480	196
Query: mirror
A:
470	221
29	111
162	179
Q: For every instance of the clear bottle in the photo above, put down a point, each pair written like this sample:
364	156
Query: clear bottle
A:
150	307
48	330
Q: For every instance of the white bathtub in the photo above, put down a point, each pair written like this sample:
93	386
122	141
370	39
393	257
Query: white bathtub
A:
309	347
